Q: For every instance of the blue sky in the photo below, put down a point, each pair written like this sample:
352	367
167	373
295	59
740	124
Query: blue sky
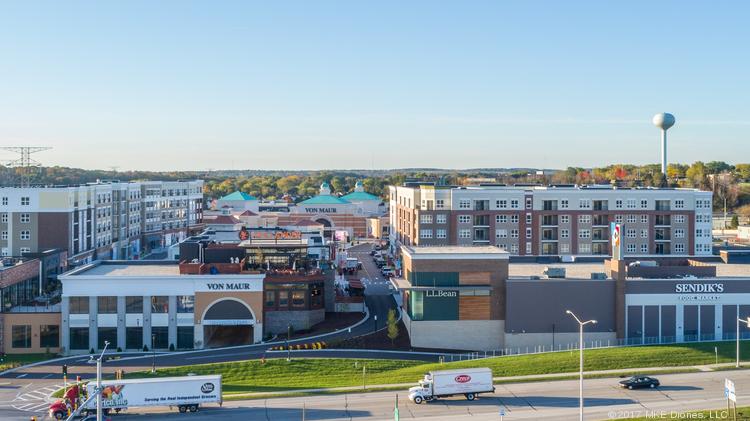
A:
322	84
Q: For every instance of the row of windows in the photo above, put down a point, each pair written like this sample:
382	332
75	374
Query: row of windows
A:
25	201
79	338
49	336
23	235
133	305
565	204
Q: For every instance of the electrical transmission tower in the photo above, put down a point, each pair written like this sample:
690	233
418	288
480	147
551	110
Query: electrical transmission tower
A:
25	166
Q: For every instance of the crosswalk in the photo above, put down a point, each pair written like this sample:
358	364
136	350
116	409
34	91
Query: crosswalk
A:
35	400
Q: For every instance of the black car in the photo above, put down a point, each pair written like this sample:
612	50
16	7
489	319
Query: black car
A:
638	382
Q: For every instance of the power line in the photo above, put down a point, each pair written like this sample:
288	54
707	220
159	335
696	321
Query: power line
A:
25	167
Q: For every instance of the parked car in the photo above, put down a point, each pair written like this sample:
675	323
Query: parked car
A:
639	382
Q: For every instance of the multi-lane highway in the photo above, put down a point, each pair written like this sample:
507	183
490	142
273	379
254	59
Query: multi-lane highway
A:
556	400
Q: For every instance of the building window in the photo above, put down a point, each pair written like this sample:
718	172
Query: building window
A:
464	204
644	219
79	338
425	234
501	204
4	235
584	219
514	248
79	305
564	219
185	303
107	334
644	233
501	219
21	336
632	219
441	218
584	204
4	218
564	204
564	248
618	219
25	250
298	298
529	203
134	305
584	233
134	337
528	232
618	203
679	204
49	336
440	233
679	248
464	233
514	219
644	203
680	219
644	248
25	218
185	337
25	201
584	248
514	204
107	305
160	337
25	235
425	219
501	233
631	233
564	233
270	299
5	201
631	248
514	233
439	203
160	304
528	248
679	233
528	218
630	204
464	219
283	299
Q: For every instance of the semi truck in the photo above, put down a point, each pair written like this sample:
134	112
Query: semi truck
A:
186	394
439	384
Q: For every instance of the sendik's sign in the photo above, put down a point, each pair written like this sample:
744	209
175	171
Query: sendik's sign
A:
698	288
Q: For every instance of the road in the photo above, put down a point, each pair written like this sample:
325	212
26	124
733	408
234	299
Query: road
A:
556	400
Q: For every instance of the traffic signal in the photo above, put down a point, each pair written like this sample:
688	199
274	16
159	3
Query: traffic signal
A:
65	369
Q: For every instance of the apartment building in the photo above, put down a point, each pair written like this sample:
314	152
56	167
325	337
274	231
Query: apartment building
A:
553	220
103	220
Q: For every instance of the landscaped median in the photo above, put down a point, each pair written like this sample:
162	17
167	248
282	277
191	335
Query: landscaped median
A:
244	378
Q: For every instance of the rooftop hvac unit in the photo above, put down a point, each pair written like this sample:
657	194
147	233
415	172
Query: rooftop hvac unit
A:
598	275
553	272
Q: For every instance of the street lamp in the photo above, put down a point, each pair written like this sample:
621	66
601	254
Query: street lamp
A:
153	354
747	322
99	382
580	371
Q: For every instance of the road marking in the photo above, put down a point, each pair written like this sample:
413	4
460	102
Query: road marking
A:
22	375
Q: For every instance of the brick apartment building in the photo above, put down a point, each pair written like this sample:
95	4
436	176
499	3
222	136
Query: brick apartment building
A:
553	220
103	220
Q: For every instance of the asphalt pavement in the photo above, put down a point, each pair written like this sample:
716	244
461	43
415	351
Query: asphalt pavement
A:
556	400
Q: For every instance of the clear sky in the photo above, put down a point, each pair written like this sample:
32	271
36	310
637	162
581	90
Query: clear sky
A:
167	85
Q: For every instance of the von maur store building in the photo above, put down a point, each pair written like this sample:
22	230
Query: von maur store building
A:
132	305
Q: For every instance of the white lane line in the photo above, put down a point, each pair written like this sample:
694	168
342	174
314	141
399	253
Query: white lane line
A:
20	397
48	376
22	375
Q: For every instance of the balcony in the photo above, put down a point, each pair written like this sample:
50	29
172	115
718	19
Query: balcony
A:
600	221
600	205
663	220
549	235
549	220
600	235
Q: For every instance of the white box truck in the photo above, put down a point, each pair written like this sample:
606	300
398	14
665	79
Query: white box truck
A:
186	393
438	384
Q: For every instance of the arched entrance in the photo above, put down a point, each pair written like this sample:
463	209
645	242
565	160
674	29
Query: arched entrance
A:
327	226
228	322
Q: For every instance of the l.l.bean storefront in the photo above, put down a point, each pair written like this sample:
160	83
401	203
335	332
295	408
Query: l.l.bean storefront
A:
135	306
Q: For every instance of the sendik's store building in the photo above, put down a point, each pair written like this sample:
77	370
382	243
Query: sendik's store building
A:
464	298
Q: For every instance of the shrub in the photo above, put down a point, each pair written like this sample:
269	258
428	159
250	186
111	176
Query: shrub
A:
145	348
171	347
119	349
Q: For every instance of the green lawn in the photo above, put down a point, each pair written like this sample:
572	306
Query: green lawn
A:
15	360
743	413
278	374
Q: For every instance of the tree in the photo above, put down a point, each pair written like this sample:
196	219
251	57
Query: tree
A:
392	324
735	222
742	171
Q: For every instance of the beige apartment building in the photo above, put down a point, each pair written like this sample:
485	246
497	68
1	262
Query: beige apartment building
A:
103	220
553	220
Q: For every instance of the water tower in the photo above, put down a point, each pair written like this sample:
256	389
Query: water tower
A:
664	121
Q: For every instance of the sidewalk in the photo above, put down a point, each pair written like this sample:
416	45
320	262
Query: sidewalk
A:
508	379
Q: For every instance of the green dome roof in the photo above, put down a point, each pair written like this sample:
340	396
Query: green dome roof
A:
238	195
360	196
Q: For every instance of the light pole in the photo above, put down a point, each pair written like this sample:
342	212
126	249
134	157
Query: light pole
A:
580	371
747	322
153	354
99	382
